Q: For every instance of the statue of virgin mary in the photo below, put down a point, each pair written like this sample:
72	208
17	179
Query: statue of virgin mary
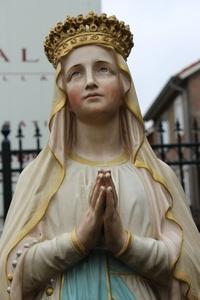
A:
97	215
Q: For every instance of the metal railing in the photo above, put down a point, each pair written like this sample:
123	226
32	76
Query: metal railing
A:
14	161
183	156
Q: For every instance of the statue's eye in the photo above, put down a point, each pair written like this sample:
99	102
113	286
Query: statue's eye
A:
75	74
104	69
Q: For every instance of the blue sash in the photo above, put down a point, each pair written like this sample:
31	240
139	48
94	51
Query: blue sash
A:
96	278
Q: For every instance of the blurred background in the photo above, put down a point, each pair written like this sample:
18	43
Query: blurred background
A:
165	65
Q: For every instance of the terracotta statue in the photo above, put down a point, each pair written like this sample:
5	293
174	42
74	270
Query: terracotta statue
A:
97	215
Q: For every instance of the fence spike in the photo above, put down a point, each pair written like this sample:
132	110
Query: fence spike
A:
5	130
20	131
37	135
178	126
160	127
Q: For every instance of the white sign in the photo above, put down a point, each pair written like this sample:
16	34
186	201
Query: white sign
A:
26	76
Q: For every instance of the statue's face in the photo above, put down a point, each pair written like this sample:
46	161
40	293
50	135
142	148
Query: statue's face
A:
92	82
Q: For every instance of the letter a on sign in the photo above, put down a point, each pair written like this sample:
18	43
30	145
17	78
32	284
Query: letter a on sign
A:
2	55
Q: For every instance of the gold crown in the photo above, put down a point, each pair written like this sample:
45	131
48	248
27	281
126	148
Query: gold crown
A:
91	29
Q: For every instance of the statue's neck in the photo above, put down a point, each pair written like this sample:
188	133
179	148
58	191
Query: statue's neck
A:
98	141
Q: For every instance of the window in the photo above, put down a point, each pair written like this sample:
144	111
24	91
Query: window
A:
165	127
179	112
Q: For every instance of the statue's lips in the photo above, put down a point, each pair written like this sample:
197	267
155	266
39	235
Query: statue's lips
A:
92	95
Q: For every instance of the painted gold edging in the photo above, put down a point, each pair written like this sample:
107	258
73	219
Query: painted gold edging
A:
169	216
61	285
122	158
108	279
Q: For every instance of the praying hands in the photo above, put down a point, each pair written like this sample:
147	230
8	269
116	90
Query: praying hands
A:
101	225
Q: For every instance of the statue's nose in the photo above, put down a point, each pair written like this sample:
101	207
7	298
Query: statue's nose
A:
90	80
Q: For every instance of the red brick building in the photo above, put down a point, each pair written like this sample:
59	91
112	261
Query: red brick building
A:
179	100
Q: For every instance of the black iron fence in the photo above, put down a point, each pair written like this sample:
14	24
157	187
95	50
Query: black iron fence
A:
183	157
186	153
14	161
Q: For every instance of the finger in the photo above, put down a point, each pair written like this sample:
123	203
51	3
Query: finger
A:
95	191
101	171
109	182
114	191
110	206
107	179
100	203
104	171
